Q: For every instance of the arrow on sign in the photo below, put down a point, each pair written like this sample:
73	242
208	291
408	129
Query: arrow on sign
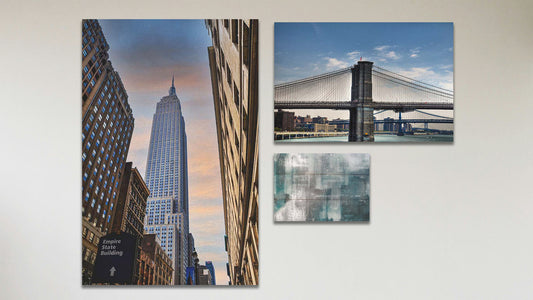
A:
112	271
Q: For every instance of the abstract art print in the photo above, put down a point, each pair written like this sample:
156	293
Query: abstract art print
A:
363	82
321	187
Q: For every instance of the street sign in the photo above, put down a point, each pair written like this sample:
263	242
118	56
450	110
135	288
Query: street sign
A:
115	259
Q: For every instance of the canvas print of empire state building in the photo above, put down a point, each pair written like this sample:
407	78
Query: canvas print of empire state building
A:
169	152
363	82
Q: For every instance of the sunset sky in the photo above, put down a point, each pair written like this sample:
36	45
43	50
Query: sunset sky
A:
146	53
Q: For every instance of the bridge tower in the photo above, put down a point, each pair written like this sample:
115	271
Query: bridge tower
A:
362	116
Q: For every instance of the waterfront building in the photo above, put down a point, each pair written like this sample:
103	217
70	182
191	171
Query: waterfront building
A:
388	124
233	65
211	268
131	208
156	265
341	125
284	120
167	213
107	126
320	120
317	127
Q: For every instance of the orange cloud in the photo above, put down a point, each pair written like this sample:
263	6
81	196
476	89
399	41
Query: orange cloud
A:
159	79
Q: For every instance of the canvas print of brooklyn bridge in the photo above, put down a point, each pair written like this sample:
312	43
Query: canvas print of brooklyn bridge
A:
363	82
321	187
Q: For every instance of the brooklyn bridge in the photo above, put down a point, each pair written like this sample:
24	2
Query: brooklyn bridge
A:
366	91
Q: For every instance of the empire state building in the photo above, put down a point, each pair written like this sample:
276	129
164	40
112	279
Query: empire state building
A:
167	213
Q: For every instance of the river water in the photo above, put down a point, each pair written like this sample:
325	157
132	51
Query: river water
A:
379	138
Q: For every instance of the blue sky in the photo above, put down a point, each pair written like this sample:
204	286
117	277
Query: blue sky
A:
422	51
146	53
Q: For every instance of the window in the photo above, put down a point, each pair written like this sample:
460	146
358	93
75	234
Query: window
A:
246	45
85	176
83	156
228	75
236	97
235	32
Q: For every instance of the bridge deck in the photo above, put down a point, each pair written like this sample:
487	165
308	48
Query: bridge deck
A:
397	106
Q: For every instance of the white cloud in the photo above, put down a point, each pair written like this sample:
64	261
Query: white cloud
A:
383	53
333	63
417	73
414	52
354	55
382	48
392	55
427	75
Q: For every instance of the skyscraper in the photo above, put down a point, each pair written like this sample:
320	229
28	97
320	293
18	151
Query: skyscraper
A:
233	65
211	268
107	126
167	212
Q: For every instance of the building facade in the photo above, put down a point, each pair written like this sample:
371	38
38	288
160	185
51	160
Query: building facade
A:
156	265
284	120
233	61
167	212
204	276
191	249
107	126
131	208
211	268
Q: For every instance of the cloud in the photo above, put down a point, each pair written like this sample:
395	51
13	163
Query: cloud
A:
392	54
333	63
354	55
414	52
383	53
157	79
428	75
381	48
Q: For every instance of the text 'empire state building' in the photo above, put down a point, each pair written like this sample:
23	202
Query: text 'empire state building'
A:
167	213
